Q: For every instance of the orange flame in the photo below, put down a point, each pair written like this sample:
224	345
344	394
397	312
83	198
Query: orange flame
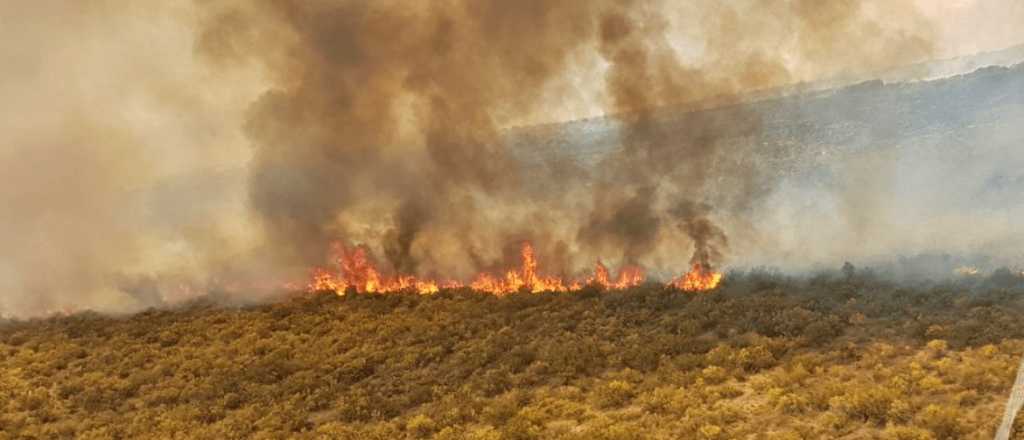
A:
698	279
358	272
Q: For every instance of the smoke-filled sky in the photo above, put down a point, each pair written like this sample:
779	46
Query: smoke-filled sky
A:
148	147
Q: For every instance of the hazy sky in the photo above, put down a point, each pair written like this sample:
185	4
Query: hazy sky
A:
970	26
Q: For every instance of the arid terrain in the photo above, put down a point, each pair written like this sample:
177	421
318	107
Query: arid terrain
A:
512	220
838	355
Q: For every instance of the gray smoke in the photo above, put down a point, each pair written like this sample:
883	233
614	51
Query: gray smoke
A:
154	151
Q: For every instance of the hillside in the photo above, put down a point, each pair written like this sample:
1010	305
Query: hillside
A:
761	357
795	127
802	130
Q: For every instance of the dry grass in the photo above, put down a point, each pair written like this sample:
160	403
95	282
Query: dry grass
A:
762	358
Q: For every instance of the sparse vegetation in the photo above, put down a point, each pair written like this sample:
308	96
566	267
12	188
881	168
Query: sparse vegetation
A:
763	357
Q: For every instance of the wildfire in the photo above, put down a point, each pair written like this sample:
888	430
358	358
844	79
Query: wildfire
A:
698	279
629	276
358	272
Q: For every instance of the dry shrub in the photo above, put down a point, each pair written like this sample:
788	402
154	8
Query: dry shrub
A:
613	394
942	421
865	403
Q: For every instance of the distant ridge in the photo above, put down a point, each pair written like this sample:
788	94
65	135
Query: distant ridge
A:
931	70
955	66
947	111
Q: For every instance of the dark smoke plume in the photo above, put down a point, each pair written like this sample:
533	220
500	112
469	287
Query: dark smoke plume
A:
153	146
385	122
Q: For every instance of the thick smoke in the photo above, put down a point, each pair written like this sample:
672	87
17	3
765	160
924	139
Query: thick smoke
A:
120	178
384	125
148	147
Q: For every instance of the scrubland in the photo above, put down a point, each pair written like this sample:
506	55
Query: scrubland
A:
762	357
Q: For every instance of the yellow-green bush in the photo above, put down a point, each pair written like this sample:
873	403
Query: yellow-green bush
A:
789	360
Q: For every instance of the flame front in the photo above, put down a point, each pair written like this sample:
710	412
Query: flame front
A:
359	273
698	279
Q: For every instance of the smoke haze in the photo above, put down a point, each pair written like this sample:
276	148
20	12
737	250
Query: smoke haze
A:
115	164
150	148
